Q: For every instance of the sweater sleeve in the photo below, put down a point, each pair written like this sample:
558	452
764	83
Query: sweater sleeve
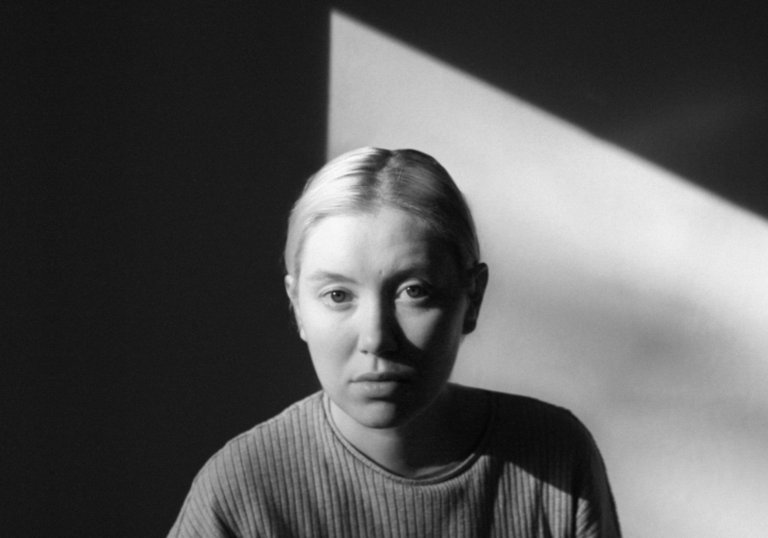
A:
596	515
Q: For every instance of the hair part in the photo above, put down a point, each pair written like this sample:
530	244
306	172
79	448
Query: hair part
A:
367	179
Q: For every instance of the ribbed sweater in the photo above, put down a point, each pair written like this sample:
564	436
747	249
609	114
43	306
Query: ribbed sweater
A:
536	473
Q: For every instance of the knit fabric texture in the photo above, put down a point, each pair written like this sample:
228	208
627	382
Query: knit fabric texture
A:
536	473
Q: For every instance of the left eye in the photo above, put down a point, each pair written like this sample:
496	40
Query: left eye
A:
416	292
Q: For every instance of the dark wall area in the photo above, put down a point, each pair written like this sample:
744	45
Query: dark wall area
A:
151	154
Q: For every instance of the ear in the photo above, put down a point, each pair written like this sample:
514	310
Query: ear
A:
291	288
477	285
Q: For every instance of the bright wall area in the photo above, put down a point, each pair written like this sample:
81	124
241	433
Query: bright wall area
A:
618	290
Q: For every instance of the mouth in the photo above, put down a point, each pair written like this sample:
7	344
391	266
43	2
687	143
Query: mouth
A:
382	385
383	377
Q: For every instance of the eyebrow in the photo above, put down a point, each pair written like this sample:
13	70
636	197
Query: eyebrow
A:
325	276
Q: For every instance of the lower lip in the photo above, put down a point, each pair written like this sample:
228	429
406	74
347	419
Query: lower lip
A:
380	389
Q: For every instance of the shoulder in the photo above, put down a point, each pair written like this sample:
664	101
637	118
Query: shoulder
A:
539	435
248	467
551	446
530	414
236	484
276	438
248	459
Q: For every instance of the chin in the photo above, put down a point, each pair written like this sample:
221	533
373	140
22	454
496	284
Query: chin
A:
380	414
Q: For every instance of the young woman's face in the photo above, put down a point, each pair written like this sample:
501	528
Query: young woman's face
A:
381	307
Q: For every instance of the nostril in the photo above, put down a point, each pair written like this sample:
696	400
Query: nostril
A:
380	343
378	335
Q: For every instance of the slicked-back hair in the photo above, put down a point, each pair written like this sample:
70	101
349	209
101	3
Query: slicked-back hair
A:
367	179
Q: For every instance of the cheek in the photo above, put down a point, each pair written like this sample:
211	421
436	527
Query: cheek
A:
434	332
328	340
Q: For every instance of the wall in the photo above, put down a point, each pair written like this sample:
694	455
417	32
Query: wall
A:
618	289
152	153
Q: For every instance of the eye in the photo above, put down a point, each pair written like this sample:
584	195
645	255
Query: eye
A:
415	292
336	297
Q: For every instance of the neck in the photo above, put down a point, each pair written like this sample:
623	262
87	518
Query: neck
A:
436	440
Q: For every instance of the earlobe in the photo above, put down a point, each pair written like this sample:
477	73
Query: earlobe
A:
292	291
476	292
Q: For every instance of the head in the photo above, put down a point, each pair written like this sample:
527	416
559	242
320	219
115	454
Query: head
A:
367	179
384	279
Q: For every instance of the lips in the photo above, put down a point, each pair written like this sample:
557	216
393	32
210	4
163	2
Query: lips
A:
382	377
382	385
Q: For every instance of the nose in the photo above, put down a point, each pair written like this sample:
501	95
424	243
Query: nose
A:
377	329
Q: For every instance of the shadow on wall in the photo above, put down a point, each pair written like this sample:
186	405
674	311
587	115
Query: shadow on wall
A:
678	83
618	289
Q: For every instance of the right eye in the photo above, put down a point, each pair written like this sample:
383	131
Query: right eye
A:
337	297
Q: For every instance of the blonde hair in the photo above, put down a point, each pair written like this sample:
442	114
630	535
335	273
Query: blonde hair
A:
368	179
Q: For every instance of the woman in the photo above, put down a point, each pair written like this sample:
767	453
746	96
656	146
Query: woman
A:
385	279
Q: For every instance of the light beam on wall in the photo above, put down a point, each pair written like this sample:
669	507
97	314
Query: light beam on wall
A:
617	290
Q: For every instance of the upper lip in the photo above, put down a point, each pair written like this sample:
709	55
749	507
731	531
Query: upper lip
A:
382	376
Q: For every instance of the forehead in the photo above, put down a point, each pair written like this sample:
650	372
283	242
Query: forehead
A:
382	242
